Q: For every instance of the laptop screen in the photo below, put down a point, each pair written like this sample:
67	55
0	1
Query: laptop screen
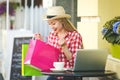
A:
90	60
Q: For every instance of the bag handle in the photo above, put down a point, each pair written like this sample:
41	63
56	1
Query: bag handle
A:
33	37
37	36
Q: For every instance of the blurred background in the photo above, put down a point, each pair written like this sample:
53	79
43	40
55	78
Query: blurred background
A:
20	17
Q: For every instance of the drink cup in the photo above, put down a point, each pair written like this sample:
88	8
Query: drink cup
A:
58	65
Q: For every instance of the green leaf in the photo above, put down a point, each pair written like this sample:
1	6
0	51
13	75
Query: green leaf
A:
110	36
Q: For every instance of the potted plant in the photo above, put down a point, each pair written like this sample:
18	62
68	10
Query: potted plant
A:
111	33
12	9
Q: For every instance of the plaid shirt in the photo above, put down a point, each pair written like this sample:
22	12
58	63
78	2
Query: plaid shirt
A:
73	42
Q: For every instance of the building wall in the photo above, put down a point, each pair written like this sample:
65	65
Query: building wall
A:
88	30
91	32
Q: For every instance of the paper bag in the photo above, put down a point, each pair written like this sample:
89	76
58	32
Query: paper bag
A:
26	69
41	55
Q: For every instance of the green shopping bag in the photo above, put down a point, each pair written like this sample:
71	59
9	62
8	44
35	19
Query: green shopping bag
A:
26	69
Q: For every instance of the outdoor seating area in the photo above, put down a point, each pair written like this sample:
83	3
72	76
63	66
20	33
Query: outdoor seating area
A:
34	34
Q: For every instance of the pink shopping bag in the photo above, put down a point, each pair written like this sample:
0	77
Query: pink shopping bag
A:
41	55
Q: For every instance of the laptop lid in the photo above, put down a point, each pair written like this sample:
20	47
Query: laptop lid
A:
90	60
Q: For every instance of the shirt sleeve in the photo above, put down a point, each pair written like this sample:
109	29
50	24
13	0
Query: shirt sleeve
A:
76	43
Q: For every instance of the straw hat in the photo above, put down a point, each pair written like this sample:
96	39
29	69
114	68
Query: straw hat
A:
56	12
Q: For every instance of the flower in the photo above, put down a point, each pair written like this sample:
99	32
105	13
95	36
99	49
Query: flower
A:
12	8
116	26
111	30
104	31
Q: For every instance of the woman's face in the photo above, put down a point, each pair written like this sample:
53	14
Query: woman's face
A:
56	25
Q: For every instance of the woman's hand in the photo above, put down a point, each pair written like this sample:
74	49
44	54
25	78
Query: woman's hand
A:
61	42
65	49
38	36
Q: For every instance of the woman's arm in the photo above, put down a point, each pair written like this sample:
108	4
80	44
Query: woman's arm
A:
67	52
75	43
65	49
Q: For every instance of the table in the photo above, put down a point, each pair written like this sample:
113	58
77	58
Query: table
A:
82	74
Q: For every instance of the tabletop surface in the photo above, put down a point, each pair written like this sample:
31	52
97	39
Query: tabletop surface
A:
81	73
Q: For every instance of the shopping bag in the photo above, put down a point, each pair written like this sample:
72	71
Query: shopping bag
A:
26	69
41	55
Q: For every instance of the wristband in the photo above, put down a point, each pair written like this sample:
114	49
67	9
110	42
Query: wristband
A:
63	44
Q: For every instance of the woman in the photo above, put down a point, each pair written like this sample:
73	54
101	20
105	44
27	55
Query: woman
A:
63	36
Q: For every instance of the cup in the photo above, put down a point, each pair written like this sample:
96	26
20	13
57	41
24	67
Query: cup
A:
58	65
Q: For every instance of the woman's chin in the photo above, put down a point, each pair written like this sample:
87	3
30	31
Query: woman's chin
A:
56	31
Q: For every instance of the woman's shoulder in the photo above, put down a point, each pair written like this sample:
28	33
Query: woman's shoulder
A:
74	33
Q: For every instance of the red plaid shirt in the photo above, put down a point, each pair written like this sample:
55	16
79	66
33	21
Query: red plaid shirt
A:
73	41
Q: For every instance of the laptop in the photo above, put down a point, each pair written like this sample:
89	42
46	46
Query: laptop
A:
90	60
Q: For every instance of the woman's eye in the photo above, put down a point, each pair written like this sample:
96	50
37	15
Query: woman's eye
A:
50	23
53	24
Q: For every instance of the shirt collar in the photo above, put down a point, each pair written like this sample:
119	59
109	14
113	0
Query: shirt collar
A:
67	34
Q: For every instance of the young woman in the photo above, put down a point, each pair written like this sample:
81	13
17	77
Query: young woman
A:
63	36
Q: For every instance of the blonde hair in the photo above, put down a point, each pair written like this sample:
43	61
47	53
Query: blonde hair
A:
68	26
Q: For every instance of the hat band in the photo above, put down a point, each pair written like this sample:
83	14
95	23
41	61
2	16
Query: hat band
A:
50	17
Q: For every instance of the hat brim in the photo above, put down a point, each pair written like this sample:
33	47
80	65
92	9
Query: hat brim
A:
57	17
